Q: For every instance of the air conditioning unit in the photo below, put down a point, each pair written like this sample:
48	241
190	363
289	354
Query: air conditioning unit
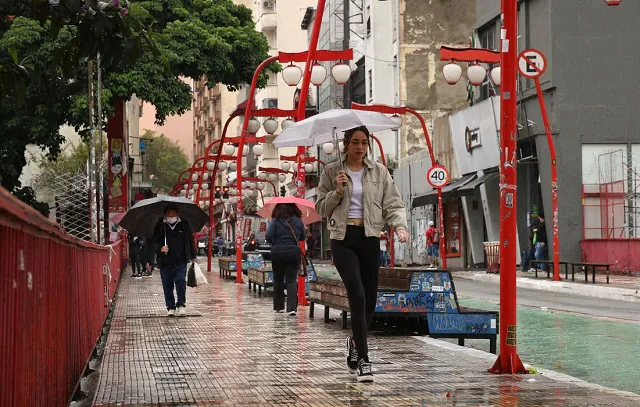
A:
268	4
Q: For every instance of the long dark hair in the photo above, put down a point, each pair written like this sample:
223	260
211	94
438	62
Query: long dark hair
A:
349	134
285	211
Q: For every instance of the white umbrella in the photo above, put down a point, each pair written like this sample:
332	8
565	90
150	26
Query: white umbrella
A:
323	127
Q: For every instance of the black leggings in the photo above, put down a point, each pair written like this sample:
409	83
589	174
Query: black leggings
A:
357	260
285	263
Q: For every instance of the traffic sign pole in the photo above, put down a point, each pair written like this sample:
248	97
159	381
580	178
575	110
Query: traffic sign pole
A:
438	177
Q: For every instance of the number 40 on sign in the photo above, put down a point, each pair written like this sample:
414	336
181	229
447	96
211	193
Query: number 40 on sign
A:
438	176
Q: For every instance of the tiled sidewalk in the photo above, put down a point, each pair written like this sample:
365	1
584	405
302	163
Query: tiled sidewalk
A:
232	350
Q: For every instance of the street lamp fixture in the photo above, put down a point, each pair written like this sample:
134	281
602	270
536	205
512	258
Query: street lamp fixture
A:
308	167
229	149
194	177
222	165
260	186
254	125
233	166
205	176
397	119
476	74
318	74
452	73
496	76
613	2
262	176
328	148
272	177
211	165
286	123
285	166
292	74
282	177
258	149
270	125
205	186
341	72
244	184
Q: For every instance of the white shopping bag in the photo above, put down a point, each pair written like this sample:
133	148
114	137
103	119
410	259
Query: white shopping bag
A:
200	278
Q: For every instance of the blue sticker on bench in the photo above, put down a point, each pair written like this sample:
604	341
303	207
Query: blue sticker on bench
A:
465	323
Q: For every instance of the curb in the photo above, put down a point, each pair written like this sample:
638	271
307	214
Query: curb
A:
596	291
551	374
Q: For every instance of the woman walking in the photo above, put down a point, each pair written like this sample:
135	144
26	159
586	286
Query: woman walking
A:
285	233
358	202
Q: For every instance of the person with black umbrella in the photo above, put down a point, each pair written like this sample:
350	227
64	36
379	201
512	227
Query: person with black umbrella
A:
173	238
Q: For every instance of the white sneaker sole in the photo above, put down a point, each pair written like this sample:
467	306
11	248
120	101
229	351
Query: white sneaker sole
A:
364	379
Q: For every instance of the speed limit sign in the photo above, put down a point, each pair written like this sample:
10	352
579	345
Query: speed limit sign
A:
438	176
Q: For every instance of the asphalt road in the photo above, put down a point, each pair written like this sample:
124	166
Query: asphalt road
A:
588	306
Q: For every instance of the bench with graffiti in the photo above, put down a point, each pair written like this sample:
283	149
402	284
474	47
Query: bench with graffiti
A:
428	296
228	265
262	277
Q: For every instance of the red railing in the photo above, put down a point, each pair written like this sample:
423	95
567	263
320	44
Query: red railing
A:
55	292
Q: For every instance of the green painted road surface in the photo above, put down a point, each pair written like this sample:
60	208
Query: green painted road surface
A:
592	349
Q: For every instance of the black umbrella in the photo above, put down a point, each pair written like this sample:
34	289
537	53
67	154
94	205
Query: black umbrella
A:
141	219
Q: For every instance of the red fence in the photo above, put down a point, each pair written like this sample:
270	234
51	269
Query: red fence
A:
54	297
622	254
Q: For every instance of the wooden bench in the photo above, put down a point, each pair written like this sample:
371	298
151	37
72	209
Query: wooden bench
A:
228	265
585	267
550	265
427	295
260	277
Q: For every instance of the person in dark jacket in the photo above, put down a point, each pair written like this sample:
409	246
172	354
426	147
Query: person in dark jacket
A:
285	233
135	255
174	247
539	240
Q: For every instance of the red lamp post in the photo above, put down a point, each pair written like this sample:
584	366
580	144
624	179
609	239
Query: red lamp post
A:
402	110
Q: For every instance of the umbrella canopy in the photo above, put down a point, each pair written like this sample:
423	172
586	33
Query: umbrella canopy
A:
322	127
141	219
307	208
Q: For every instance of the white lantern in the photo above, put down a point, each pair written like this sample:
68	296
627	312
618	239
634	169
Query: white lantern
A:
262	176
194	177
287	123
341	72
270	125
476	74
260	186
183	192
211	165
258	149
232	166
206	204
308	167
222	165
282	177
328	148
244	184
229	149
318	74
245	150
205	186
252	185
201	204
253	126
191	192
496	76
272	176
452	73
396	119
205	176
185	186
285	166
292	74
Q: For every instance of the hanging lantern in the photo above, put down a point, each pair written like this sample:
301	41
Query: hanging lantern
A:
260	186
205	176
341	72
318	74
222	165
194	177
496	76
272	176
205	186
191	192
258	149
252	185
244	184
282	177
397	119
245	150
232	166
253	126
452	73
287	123
211	165
270	125
292	74
229	149
476	74
262	176
308	167
183	192
285	166
328	148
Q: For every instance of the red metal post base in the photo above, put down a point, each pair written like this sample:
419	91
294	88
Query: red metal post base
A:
512	364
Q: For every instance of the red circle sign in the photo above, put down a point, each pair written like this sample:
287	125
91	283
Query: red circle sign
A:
532	63
438	176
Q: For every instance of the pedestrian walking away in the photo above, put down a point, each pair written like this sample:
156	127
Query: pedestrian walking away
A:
136	246
433	251
383	249
357	203
220	245
174	247
285	233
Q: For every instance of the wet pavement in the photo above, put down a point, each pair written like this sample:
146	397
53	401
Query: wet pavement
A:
232	350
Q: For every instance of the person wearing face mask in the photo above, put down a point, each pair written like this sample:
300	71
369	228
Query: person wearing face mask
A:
174	248
358	197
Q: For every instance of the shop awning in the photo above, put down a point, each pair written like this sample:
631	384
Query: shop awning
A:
431	197
478	181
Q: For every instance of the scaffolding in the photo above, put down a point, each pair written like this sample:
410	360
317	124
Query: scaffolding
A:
72	196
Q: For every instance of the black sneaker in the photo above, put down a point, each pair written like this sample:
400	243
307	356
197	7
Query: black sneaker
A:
352	355
364	371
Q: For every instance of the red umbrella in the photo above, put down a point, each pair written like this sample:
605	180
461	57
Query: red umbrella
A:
307	208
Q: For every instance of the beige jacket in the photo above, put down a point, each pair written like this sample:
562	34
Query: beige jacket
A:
382	202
